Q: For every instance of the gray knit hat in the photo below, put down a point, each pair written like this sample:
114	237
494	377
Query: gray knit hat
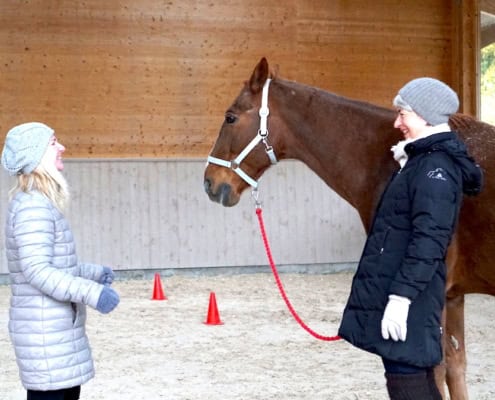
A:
430	98
25	146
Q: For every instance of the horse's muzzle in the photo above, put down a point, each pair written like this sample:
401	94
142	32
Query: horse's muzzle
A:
222	194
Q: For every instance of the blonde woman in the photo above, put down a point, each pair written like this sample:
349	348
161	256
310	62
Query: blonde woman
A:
50	288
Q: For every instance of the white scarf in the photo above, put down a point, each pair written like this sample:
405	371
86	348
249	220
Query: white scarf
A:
398	150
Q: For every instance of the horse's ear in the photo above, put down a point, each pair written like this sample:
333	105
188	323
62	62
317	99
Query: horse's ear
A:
259	76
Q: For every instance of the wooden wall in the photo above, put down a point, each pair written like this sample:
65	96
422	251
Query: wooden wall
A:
152	78
136	90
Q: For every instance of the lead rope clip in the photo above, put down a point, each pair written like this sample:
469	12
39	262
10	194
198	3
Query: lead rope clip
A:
256	197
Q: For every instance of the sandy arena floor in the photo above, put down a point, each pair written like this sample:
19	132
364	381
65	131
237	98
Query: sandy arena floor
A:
152	350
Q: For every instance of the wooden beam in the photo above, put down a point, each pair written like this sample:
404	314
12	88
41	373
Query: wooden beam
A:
487	6
487	32
466	33
487	35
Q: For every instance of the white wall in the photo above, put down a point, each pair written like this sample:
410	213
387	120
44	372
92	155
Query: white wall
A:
154	214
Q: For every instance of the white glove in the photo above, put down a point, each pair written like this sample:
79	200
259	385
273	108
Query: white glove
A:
394	322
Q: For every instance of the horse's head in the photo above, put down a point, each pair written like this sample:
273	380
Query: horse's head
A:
243	150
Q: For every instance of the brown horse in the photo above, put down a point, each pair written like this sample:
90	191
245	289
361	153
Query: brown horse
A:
347	143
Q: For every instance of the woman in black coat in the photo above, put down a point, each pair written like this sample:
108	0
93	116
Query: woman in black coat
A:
397	295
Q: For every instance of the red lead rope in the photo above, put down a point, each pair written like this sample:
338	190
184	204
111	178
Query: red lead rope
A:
280	286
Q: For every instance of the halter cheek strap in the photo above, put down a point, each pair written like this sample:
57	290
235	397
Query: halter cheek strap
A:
262	135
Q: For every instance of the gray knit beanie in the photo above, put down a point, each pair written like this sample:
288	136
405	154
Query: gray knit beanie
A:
430	98
25	146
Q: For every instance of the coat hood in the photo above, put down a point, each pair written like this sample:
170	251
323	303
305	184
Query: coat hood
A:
448	142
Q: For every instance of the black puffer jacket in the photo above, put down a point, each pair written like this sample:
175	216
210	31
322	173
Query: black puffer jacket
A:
406	247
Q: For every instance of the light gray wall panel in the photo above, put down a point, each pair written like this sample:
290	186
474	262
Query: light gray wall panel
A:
140	214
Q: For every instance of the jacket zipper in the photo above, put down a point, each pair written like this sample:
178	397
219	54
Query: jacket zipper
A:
385	239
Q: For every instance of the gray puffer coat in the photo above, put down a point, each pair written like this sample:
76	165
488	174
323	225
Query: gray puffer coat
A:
50	291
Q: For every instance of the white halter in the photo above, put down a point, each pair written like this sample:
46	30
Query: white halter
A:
262	135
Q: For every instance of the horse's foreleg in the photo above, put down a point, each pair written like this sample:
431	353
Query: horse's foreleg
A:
455	350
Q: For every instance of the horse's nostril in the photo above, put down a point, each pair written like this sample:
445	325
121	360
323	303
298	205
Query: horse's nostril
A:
224	194
207	185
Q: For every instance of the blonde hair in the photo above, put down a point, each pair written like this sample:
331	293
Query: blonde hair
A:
48	180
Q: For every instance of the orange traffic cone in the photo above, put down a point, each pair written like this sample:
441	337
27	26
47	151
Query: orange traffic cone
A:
213	317
157	289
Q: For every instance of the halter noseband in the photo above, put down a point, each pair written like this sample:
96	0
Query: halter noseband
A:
262	135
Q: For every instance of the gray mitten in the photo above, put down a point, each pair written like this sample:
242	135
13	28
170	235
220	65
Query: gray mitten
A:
107	276
108	300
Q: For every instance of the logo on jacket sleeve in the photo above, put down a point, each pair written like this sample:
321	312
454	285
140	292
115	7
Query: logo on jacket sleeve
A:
438	173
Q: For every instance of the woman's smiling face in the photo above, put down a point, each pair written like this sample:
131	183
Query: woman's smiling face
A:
409	123
53	154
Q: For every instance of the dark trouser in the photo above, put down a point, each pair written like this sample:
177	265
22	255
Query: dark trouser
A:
62	394
407	382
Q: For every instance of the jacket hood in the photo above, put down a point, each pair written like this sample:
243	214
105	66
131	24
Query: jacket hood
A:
448	142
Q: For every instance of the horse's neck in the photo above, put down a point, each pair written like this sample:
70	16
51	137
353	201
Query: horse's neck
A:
347	143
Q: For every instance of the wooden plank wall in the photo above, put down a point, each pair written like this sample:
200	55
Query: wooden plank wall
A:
136	90
152	78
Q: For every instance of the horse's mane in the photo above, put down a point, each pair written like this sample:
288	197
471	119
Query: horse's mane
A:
346	102
469	124
478	135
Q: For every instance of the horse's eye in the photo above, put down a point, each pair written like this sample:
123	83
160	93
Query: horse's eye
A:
230	119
